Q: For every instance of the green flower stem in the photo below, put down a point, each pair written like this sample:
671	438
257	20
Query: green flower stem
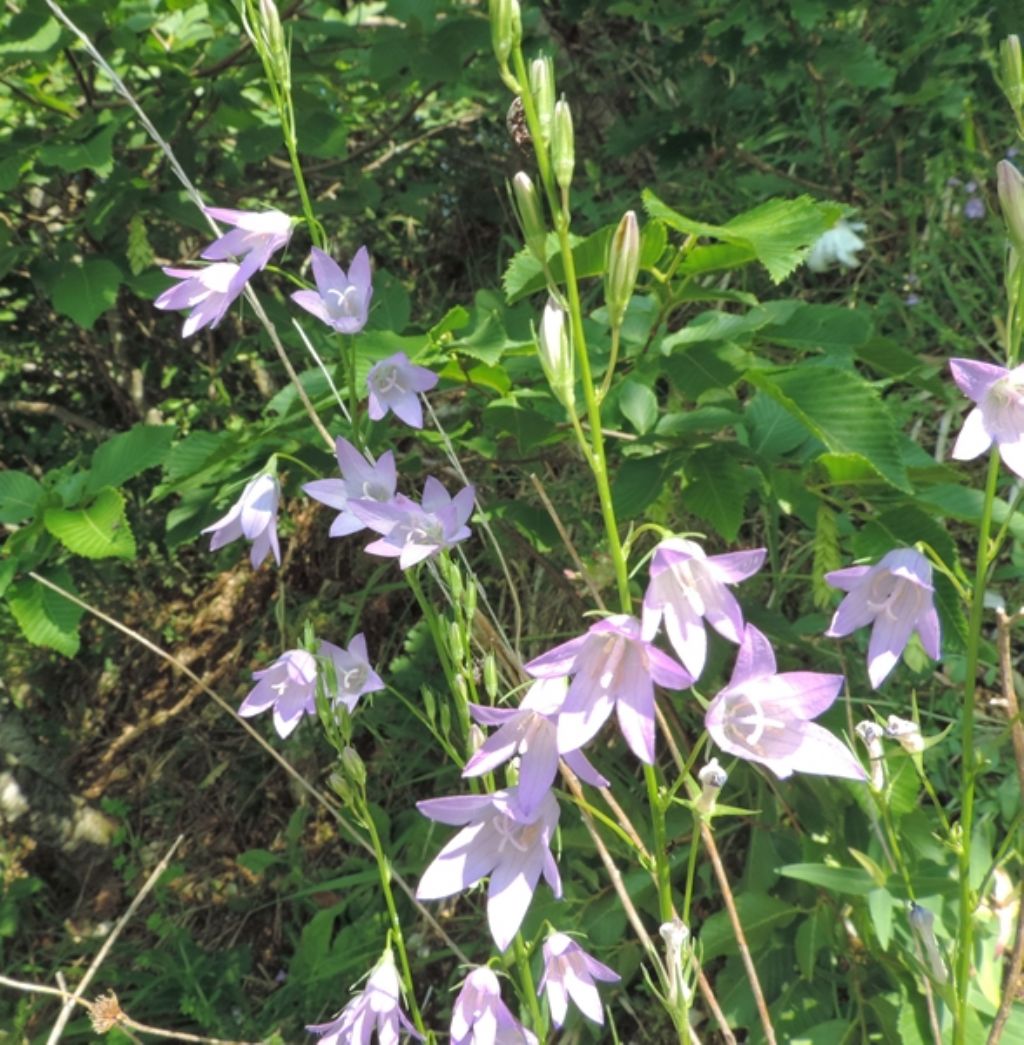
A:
691	869
349	354
613	358
965	936
663	871
529	989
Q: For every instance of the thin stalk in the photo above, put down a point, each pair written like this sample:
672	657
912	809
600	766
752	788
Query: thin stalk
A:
661	865
613	358
529	989
691	869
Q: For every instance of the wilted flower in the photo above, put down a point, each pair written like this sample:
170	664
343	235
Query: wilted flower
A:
569	972
688	586
922	921
207	291
837	246
394	384
376	1008
341	301
530	731
289	686
712	779
480	1017
871	735
763	716
612	666
896	597
256	236
906	733
352	671
998	416
499	840
254	517
360	479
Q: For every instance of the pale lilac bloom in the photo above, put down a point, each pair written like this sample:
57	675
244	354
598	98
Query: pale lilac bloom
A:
688	587
378	1007
256	236
499	840
360	479
998	416
896	597
613	667
413	532
352	671
395	384
974	208
288	686
531	731
763	716
254	517
569	972
207	291
480	1017
341	301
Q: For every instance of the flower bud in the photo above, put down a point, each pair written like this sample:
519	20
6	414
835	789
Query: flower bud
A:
922	921
871	734
506	29
270	25
563	147
906	733
621	267
353	767
529	214
712	778
556	352
490	675
1011	199
1012	68
542	87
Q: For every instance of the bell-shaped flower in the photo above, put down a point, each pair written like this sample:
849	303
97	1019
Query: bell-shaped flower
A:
376	1008
480	1017
341	301
207	291
352	671
612	668
688	587
254	517
360	479
531	731
499	840
394	384
569	972
256	236
998	416
288	686
838	246
763	716
413	532
896	597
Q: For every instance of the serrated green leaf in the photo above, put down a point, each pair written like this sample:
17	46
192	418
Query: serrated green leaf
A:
820	328
98	532
84	292
774	431
19	495
638	481
129	453
639	405
140	252
717	488
45	617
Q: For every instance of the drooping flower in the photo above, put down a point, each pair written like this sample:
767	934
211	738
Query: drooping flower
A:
837	246
499	840
254	517
394	384
998	416
360	479
413	532
612	667
288	686
377	1007
530	731
569	972
352	671
687	586
896	597
480	1017
257	235
341	301
764	717
207	291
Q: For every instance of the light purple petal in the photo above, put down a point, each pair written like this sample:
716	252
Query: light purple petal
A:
408	409
327	273
888	640
847	579
756	657
581	766
734	567
1013	456
311	301
558	661
455	809
974	378
636	720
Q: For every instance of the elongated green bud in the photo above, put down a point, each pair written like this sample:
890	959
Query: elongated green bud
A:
506	28
1011	199
529	214
491	675
563	145
621	267
556	353
542	87
1012	68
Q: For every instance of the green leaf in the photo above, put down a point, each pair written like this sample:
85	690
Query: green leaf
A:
524	275
760	915
84	292
813	936
98	532
880	907
717	488
19	495
704	367
129	453
94	153
529	427
638	481
140	252
854	881
29	34
774	431
639	405
966	504
45	617
821	328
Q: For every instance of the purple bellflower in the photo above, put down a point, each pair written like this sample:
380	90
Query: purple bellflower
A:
531	731
896	597
613	667
352	671
998	415
341	301
413	532
289	686
376	1008
762	716
569	972
256	236
254	517
499	840
207	291
360	479
480	1017
395	384
687	586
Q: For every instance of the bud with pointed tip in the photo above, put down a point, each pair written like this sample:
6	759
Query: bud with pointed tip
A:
622	266
506	29
529	214
1011	199
542	87
556	353
563	144
1012	68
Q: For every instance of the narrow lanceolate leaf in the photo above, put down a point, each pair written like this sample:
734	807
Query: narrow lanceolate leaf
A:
45	617
826	555
19	495
99	531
